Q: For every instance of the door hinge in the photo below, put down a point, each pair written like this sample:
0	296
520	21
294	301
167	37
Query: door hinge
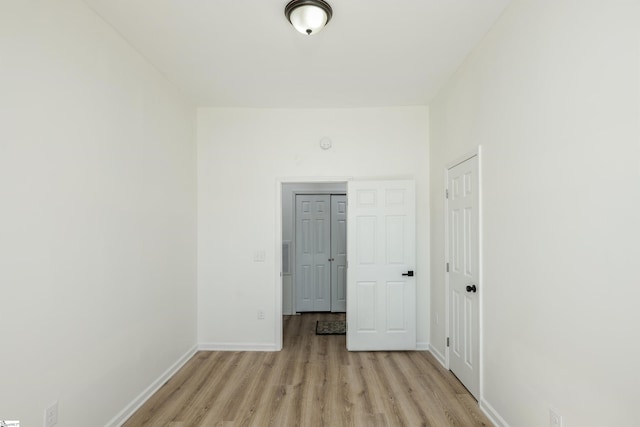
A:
446	193
447	341
447	267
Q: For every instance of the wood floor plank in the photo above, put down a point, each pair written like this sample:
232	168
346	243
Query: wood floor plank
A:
313	381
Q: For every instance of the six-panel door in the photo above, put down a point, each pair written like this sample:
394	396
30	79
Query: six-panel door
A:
463	238
381	304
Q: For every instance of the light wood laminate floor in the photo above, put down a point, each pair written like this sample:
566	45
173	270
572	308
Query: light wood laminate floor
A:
313	381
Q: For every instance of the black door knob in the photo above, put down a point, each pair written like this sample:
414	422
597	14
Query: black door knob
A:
472	288
408	273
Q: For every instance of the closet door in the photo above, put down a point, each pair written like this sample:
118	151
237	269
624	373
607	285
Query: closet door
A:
313	253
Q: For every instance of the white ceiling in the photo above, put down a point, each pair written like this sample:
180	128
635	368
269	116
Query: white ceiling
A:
244	53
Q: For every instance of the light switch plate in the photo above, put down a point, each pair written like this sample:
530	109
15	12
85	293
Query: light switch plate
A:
259	256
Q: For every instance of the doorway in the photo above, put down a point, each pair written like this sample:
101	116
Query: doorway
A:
381	282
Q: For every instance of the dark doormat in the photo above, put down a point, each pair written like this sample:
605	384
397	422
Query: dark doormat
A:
331	327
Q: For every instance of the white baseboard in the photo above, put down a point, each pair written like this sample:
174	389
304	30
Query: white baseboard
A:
492	414
132	407
422	346
233	346
439	356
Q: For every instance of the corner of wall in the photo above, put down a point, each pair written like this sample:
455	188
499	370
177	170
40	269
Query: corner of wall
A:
140	400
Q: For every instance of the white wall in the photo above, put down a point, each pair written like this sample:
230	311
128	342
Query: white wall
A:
552	95
97	217
241	155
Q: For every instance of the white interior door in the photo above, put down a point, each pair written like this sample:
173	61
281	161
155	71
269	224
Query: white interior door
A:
463	238
313	251
381	286
338	253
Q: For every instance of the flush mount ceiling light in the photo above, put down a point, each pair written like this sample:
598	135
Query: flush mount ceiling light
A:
308	16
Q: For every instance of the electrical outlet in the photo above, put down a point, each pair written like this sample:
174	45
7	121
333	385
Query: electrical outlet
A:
51	415
555	420
260	314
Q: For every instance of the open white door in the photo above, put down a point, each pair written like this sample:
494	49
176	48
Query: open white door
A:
381	286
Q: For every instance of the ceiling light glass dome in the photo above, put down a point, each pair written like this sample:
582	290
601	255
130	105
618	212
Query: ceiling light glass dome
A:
308	16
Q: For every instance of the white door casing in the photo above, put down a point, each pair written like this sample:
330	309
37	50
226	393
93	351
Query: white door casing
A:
381	304
338	253
463	257
313	251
